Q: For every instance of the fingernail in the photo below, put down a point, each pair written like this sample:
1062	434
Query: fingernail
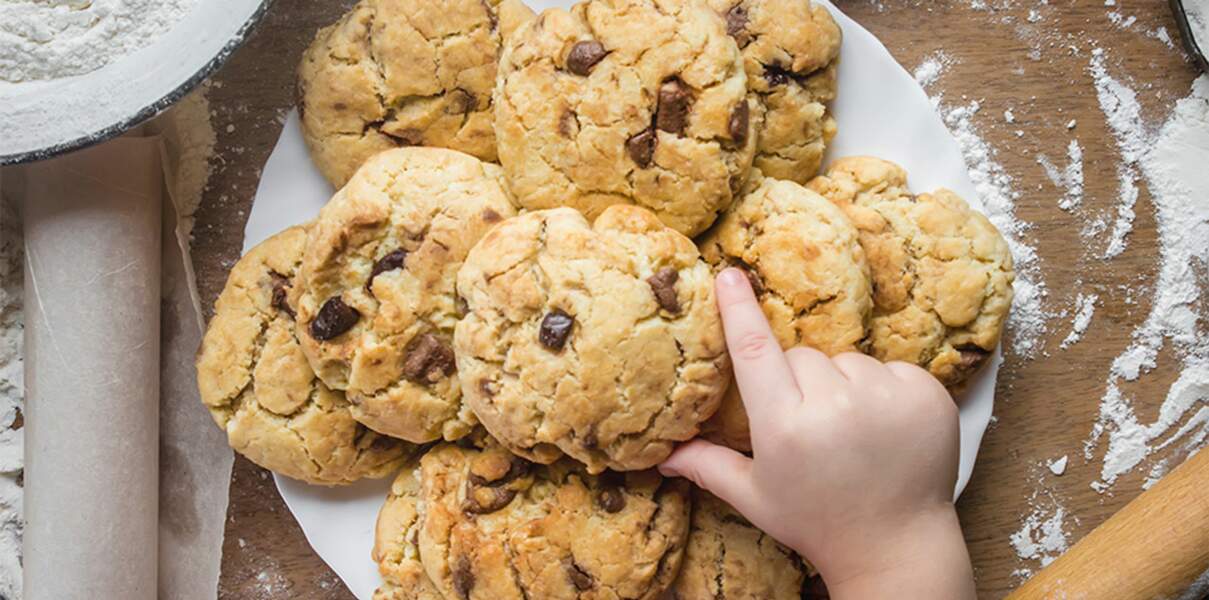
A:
667	471
731	277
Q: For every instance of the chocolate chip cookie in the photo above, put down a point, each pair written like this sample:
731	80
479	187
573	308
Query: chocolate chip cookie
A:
790	51
626	102
258	386
600	341
807	267
403	73
495	526
942	273
397	542
377	308
727	557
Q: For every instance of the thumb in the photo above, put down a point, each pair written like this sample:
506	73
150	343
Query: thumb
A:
716	469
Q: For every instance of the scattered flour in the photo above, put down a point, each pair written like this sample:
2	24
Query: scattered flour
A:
1085	307
51	39
1123	113
1070	178
1058	466
12	396
1172	161
1029	317
1042	535
932	68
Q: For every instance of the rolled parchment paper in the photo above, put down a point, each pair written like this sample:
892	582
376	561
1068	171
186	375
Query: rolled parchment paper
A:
92	241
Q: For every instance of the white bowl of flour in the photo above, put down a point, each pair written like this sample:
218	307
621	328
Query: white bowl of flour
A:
76	72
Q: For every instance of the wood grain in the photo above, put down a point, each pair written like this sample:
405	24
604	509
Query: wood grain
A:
1046	404
1120	560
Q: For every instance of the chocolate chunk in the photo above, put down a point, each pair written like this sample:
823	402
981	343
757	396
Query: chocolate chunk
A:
739	119
461	102
428	360
972	357
610	499
517	468
590	439
281	293
663	284
581	579
334	318
408	137
736	25
490	216
567	123
778	75
555	329
382	442
674	101
641	147
584	55
463	578
753	277
390	262
491	16
487	500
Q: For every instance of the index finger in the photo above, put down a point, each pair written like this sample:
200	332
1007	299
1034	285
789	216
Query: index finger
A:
761	370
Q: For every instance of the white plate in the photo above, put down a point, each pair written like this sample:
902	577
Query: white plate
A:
126	92
881	112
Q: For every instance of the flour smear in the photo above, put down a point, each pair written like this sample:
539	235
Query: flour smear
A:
12	397
1170	160
52	39
1028	322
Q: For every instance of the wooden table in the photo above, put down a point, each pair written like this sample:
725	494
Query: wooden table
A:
1046	405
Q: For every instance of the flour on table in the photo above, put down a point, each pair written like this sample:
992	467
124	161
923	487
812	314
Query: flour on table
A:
932	68
1123	113
1042	536
51	39
1085	308
1057	466
1028	321
1069	178
1027	324
12	396
1172	161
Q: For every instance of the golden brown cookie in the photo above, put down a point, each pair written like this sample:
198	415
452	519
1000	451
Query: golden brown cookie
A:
403	73
809	272
626	102
942	273
791	50
727	557
396	542
258	386
378	307
600	341
487	525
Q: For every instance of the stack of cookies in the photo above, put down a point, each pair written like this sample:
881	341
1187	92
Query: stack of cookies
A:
509	302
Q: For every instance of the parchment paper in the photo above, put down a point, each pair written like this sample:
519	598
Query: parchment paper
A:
92	234
881	111
136	225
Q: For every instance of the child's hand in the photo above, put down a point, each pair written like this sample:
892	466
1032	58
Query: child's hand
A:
855	461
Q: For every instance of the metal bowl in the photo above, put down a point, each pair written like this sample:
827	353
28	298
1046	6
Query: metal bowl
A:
1190	41
58	116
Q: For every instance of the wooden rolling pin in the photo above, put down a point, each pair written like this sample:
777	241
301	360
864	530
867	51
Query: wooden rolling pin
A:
1154	548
